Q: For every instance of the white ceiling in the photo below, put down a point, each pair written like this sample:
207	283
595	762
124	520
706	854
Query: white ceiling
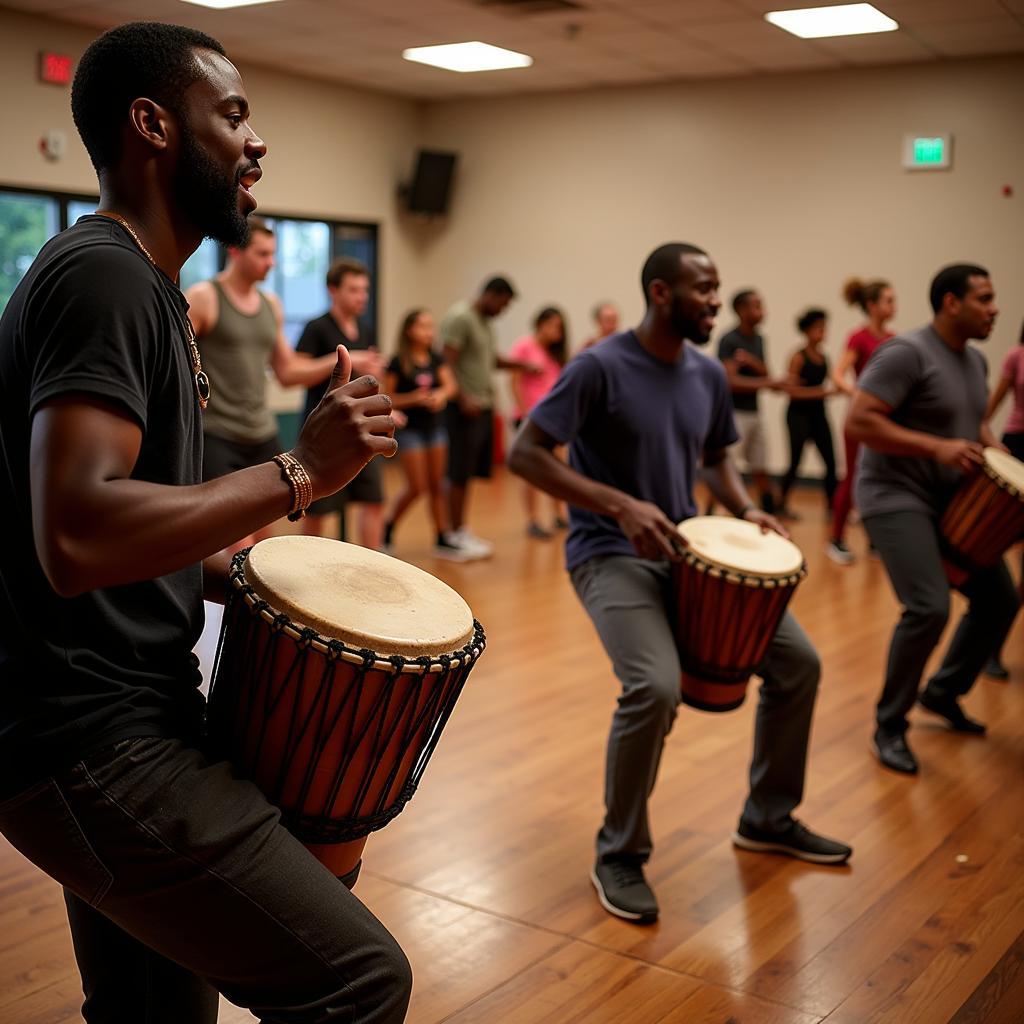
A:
601	42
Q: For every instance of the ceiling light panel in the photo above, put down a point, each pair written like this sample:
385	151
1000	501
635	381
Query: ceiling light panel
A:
842	20
223	5
467	57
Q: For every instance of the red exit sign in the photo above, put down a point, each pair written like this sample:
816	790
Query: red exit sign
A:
55	68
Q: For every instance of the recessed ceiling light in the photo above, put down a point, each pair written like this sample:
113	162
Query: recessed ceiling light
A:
475	56
843	20
223	5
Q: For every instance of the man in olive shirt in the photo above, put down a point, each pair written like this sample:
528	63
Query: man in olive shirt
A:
919	411
471	349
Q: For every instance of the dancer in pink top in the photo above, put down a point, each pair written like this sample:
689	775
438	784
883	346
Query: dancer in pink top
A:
548	348
878	301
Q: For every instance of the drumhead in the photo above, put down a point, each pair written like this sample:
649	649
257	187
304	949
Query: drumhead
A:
739	546
1006	467
362	598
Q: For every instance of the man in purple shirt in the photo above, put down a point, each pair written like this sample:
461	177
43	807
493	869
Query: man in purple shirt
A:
640	413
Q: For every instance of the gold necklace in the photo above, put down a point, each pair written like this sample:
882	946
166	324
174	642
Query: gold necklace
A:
202	382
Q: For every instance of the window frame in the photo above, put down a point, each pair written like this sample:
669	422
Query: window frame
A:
63	198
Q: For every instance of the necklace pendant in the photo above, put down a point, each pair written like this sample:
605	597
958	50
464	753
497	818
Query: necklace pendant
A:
203	389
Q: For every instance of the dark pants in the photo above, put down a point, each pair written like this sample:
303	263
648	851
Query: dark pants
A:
627	598
908	543
181	882
809	425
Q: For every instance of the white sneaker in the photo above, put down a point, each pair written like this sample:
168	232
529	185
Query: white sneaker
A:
464	537
840	553
447	549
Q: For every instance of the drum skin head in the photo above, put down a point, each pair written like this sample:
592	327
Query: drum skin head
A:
738	546
1006	467
363	598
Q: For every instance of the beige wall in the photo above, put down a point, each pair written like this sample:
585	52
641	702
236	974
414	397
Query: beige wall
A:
333	151
791	182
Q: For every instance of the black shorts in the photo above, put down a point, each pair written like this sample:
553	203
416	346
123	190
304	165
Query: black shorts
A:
367	487
221	456
470	445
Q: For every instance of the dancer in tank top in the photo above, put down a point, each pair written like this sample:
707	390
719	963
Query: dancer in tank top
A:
878	301
808	387
240	332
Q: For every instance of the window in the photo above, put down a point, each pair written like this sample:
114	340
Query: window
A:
203	264
79	208
305	249
303	256
26	222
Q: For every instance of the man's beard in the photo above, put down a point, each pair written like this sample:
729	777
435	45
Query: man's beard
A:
208	199
683	326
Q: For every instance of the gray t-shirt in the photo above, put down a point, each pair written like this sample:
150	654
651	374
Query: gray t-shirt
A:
933	389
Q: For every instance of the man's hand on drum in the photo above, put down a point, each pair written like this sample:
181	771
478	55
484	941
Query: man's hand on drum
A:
351	425
650	531
958	453
768	523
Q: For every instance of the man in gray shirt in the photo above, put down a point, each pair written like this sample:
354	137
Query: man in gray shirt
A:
919	411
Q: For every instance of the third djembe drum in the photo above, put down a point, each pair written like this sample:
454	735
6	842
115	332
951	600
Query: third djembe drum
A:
985	517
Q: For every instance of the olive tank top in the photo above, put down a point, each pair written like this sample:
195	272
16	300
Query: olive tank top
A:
236	354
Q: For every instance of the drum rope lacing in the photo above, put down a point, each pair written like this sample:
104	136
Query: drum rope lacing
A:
410	709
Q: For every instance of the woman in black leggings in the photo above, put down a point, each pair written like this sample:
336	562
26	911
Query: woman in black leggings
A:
808	386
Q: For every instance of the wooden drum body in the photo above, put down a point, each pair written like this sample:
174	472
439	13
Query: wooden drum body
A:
337	669
731	591
985	518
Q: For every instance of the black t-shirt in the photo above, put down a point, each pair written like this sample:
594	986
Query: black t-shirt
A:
321	337
426	376
743	401
94	317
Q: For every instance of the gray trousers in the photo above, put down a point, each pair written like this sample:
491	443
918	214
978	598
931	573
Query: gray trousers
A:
628	599
909	545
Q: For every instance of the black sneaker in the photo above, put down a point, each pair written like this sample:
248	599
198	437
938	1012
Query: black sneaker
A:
624	892
950	710
893	752
797	841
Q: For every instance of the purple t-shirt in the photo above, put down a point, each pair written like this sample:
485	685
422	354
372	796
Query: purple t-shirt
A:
637	424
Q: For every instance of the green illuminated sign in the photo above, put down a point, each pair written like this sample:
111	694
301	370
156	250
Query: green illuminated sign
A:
929	152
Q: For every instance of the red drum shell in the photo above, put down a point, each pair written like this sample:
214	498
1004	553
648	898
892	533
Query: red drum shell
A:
724	624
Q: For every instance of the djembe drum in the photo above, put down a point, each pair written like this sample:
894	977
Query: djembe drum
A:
731	591
985	517
336	671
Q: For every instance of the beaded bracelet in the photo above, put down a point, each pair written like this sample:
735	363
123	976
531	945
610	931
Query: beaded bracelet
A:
298	480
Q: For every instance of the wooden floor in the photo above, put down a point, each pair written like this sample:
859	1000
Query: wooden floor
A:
484	878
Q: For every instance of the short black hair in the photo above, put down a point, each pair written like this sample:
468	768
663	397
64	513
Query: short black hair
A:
954	279
740	298
142	58
665	263
809	318
499	286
